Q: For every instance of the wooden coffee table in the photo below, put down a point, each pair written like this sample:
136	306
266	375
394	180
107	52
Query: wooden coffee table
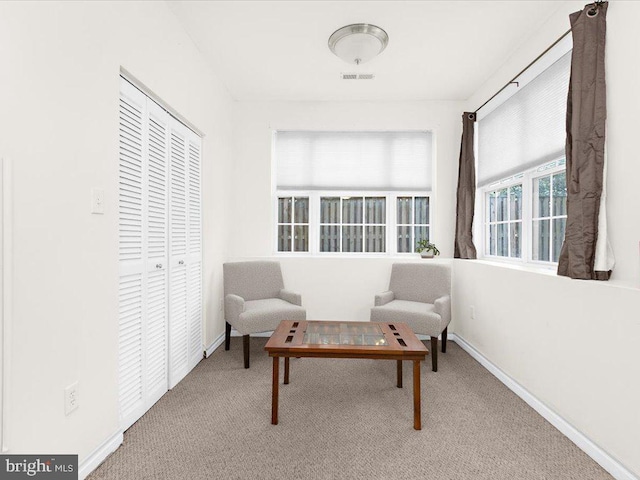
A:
324	339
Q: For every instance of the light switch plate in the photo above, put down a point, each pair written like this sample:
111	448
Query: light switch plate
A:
97	201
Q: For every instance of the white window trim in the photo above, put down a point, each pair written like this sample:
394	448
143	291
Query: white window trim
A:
526	179
314	221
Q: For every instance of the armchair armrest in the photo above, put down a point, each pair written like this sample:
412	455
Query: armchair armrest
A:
291	297
233	307
442	306
384	298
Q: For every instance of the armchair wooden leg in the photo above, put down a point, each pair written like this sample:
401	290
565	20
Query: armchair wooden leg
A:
227	336
434	354
444	340
245	348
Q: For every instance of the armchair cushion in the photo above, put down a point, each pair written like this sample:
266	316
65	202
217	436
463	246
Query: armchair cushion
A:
265	315
421	317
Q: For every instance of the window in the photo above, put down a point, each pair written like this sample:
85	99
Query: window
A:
293	224
525	215
521	164
352	192
549	216
413	222
504	221
353	224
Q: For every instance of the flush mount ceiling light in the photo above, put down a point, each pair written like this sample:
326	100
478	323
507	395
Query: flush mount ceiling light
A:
358	43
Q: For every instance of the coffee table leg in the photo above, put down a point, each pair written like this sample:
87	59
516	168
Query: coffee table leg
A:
286	370
417	422
399	373
274	391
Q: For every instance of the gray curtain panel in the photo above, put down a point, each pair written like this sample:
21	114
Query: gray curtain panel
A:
585	148
466	195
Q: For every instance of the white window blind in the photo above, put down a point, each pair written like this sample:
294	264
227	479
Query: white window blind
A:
361	161
528	129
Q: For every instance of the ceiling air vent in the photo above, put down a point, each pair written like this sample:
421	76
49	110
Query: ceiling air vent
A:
357	76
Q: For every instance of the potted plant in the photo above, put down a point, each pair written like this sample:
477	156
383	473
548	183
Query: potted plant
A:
426	249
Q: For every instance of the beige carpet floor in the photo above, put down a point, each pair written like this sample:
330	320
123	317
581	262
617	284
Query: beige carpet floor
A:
343	419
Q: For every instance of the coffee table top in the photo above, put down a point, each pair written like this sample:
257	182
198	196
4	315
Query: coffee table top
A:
345	339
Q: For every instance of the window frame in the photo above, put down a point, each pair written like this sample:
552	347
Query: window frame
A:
314	220
526	178
292	224
550	172
413	224
363	224
518	179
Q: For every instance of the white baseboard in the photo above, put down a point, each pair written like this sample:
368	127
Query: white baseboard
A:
212	348
99	455
601	457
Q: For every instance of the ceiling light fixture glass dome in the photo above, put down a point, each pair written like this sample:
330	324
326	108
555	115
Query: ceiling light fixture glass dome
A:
358	43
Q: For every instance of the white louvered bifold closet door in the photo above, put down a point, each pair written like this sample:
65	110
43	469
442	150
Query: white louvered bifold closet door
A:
142	207
157	231
194	253
160	253
185	258
178	344
130	254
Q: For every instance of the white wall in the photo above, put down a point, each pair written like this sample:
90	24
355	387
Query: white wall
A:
333	288
59	124
59	119
573	344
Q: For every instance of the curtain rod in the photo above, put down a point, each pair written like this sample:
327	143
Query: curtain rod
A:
523	70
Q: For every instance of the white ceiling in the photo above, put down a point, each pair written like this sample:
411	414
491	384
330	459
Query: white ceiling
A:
438	50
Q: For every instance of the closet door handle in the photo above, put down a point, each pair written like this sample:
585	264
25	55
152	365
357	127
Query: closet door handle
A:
158	265
181	262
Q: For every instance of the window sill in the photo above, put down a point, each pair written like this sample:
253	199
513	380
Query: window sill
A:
551	271
355	256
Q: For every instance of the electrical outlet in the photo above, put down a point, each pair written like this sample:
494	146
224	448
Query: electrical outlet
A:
472	312
71	398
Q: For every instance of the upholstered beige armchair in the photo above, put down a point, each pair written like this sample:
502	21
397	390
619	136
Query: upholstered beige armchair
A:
255	300
419	295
